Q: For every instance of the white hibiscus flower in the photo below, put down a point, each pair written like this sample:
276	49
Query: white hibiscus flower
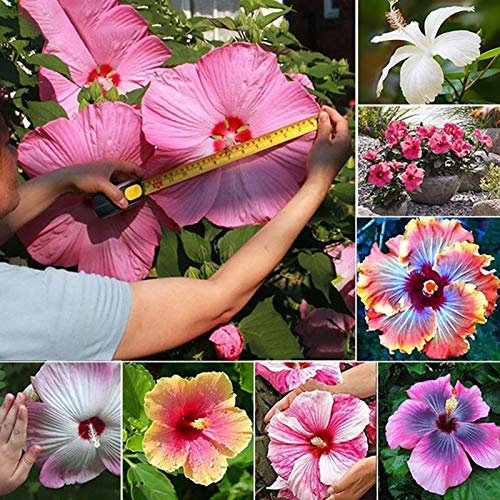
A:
422	77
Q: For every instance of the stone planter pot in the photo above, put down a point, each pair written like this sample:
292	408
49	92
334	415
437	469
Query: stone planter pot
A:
494	133
436	190
395	209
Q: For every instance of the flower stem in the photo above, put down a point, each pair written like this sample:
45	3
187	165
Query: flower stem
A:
456	97
480	74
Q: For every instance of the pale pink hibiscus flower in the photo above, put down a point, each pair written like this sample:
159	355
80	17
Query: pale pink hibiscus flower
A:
195	426
232	94
483	138
77	424
438	423
100	41
412	177
411	148
316	440
69	233
380	174
286	376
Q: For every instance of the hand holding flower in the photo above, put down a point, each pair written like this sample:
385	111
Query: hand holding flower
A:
355	482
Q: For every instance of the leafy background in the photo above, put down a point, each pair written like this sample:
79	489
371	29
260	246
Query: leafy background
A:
394	379
486	345
197	251
373	57
143	481
14	378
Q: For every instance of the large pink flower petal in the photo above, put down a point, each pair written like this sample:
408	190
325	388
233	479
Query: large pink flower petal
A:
349	418
404	331
314	410
55	87
481	441
426	237
471	405
438	462
381	282
432	392
457	319
304	481
411	421
334	464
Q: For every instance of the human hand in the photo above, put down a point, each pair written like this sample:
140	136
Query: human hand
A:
331	148
14	465
92	178
355	482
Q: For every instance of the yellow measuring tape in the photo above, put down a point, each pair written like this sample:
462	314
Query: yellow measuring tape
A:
135	190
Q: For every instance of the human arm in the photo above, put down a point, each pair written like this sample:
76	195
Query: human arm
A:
14	465
355	482
166	313
37	194
359	381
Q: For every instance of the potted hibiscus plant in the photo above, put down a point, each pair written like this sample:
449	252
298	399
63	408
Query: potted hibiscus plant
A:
428	160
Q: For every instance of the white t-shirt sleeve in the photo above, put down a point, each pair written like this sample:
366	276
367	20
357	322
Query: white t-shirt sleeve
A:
60	315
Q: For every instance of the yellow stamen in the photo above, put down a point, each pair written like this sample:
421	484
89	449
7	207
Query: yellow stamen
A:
200	423
451	403
94	437
317	441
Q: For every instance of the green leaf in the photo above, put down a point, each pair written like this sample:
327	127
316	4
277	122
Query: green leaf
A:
246	376
52	62
345	191
233	240
148	483
320	267
182	53
167	263
268	335
243	459
490	54
41	113
197	248
135	443
137	381
134	97
481	484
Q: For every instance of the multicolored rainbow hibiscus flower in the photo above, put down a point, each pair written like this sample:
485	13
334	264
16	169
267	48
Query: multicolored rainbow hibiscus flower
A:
77	424
100	41
286	376
315	441
430	290
69	233
195	426
232	94
438	423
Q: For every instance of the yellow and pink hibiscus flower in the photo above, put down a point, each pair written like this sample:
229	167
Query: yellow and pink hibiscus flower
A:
100	41
315	441
69	233
430	290
438	423
77	422
234	93
195	426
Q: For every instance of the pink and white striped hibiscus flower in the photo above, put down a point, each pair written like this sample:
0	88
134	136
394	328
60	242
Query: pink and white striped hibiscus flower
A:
99	40
77	424
232	94
315	441
438	423
69	233
286	376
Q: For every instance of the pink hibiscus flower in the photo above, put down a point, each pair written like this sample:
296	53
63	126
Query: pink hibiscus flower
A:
425	132
413	177
461	148
100	41
69	233
371	428
287	376
454	130
440	143
396	131
380	174
228	342
372	154
438	424
316	440
195	426
232	94
411	148
430	291
77	423
483	138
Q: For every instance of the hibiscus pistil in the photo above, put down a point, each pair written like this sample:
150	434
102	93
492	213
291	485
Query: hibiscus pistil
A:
229	132
105	76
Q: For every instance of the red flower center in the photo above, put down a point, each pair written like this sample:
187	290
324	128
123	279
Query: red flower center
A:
425	288
105	75
297	366
230	132
91	429
321	442
191	426
446	423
